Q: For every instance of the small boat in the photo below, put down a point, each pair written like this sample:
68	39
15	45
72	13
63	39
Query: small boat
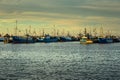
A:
2	39
7	38
47	39
105	40
95	40
116	40
85	40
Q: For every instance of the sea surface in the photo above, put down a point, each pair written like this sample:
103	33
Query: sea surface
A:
60	61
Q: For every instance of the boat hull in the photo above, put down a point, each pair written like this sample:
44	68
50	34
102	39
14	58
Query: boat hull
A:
86	42
48	40
65	39
105	40
17	39
2	39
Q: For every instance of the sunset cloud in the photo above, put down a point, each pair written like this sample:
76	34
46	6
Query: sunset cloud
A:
61	12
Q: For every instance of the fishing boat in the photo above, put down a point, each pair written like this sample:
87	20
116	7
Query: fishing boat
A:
115	39
48	39
20	39
85	40
95	39
105	40
65	39
1	39
7	38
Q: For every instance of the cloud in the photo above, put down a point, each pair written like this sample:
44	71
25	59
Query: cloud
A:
107	8
64	12
7	20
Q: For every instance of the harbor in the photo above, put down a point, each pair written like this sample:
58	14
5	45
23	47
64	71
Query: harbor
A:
60	40
84	38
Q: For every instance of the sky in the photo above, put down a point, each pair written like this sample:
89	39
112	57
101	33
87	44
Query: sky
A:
60	15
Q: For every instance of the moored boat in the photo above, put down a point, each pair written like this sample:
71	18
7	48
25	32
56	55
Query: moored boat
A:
105	40
7	38
48	39
65	39
85	40
20	39
1	39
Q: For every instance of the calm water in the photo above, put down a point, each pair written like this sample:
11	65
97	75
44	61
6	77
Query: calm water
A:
60	61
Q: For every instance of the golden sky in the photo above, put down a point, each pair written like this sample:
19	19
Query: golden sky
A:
67	15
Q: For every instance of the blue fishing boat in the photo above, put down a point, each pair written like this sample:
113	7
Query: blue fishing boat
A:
20	39
105	40
48	39
65	39
1	39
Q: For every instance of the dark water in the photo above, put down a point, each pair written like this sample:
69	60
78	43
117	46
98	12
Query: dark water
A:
60	61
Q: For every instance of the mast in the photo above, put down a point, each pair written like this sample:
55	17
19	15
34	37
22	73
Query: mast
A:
101	32
43	33
7	30
68	34
34	32
95	33
90	31
39	34
85	32
16	28
63	32
26	32
57	32
30	29
54	31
